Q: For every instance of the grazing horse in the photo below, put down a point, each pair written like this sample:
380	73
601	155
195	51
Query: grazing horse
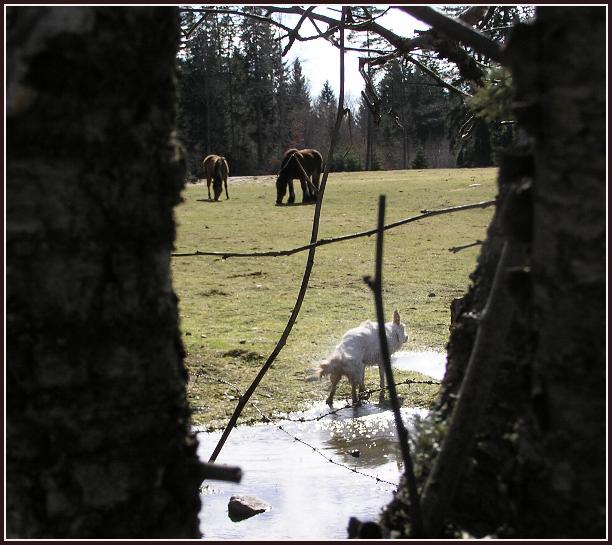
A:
216	170
301	165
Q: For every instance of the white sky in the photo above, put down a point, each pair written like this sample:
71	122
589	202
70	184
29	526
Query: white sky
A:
321	61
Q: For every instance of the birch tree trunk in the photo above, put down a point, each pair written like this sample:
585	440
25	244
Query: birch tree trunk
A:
98	433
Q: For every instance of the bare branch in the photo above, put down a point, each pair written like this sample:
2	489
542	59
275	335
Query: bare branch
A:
436	77
456	29
472	15
193	28
456	249
239	13
364	50
426	40
402	433
324	241
467	126
295	32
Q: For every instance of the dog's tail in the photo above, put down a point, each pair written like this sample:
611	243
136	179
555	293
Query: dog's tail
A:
320	370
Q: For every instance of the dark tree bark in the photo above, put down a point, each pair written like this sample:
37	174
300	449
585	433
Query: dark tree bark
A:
562	447
97	424
537	467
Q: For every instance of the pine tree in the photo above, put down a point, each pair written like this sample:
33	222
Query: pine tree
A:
419	161
299	110
324	117
415	112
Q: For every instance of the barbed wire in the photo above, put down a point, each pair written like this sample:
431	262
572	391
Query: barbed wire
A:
325	241
276	418
273	420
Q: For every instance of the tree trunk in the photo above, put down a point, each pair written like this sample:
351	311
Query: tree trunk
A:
563	447
369	143
538	465
98	428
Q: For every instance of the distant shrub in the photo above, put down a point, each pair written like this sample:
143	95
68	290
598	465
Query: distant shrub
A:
350	163
420	161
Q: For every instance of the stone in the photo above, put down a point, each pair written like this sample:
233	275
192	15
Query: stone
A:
243	507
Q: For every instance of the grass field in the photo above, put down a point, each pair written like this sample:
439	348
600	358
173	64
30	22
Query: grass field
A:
233	311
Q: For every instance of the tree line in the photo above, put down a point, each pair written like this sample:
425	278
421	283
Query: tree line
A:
240	98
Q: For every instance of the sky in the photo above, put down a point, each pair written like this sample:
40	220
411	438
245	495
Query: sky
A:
321	61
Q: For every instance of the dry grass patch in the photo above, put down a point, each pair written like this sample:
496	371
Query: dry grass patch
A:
233	311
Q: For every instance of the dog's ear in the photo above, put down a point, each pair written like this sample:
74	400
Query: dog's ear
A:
396	317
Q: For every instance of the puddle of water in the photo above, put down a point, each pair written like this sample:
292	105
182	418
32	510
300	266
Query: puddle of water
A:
311	498
432	364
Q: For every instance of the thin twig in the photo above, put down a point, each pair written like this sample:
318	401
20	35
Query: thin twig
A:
324	241
456	249
193	28
306	276
402	432
436	77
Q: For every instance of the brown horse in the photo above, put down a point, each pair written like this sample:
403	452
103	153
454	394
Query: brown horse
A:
302	165
216	170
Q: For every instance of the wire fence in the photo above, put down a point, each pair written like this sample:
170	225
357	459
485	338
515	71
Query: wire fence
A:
275	420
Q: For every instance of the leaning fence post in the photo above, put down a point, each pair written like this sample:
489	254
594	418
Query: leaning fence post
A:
402	433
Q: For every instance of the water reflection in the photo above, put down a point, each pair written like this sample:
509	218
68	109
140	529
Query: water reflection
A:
311	498
430	363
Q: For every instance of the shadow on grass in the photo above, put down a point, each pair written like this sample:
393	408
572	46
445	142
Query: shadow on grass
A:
308	203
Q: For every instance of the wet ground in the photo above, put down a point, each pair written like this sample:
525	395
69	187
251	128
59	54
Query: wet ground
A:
315	474
430	363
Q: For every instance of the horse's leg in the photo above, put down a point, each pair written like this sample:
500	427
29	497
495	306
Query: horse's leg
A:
335	378
208	181
313	184
291	198
312	191
305	190
225	181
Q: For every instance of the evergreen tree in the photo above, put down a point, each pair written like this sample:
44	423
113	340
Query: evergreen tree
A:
205	91
299	111
260	52
324	115
415	113
419	161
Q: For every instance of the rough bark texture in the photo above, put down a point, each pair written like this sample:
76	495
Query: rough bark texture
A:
98	436
563	451
538	467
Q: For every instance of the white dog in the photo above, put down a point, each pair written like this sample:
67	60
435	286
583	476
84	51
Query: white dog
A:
359	347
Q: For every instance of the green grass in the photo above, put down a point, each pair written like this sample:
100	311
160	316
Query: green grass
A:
233	311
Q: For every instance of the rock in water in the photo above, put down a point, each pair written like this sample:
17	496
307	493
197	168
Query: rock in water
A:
243	507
